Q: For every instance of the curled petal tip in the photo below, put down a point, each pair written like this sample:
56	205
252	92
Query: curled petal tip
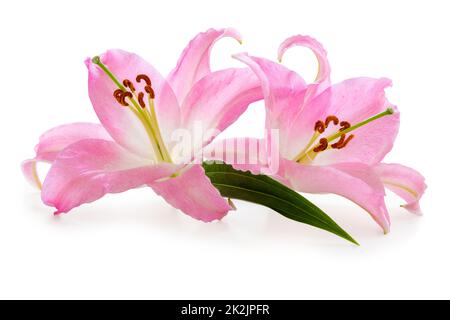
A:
414	208
280	55
233	33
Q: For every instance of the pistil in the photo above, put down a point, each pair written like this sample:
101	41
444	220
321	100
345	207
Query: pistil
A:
147	117
312	150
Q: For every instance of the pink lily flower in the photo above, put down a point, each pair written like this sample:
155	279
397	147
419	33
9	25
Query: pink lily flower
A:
332	137
139	110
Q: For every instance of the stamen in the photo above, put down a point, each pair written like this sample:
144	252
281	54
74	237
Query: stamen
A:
323	145
338	144
123	96
346	141
150	92
141	100
319	127
345	125
149	124
118	95
128	84
333	119
145	78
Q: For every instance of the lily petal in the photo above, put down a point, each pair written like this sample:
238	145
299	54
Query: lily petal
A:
52	142
217	101
193	193
193	63
125	127
88	169
354	181
405	182
284	93
323	73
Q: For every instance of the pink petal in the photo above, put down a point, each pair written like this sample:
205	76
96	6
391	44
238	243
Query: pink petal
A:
405	182
284	93
87	170
192	192
52	142
323	74
356	100
119	121
217	101
194	61
354	181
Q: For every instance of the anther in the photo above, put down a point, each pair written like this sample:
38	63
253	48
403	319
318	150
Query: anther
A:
128	84
333	119
338	144
342	143
123	96
150	92
118	95
319	127
323	145
145	78
345	125
141	100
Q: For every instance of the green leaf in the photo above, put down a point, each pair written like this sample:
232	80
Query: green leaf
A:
263	190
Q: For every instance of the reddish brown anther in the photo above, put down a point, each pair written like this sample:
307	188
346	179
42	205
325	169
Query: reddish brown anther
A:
117	94
144	77
123	96
345	125
150	92
330	119
342	143
319	127
141	100
128	84
323	145
338	144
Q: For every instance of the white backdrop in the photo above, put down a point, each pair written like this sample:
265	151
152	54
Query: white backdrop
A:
133	245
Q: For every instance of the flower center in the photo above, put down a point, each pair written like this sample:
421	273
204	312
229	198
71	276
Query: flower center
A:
308	154
142	105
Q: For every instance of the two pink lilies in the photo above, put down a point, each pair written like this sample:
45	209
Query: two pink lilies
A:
332	138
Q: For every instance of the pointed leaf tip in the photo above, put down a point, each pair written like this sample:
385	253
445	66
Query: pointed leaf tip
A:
265	191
